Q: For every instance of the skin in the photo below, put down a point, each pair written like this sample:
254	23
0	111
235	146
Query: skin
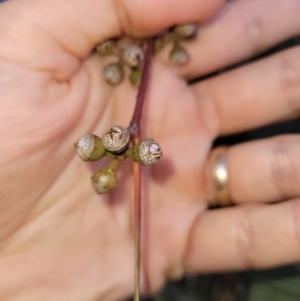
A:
61	241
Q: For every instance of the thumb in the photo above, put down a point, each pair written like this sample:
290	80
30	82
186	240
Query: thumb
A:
43	28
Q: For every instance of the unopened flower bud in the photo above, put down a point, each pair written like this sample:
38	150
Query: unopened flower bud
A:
116	139
186	31
133	55
106	48
104	181
147	152
136	77
90	148
158	45
113	73
178	56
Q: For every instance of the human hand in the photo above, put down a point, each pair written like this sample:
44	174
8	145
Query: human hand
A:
61	241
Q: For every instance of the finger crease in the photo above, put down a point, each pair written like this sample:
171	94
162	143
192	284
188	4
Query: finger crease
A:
252	25
210	109
123	17
245	241
282	171
289	78
295	207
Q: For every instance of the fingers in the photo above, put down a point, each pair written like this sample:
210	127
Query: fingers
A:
245	237
241	30
254	95
140	18
43	27
264	171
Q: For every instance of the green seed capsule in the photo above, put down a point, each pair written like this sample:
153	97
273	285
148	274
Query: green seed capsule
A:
186	31
136	77
178	56
113	73
158	45
116	139
147	152
106	48
133	56
90	148
104	180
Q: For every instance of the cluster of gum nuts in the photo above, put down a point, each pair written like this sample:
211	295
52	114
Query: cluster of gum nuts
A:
131	53
115	141
115	144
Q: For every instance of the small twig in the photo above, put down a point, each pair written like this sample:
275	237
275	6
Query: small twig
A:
138	211
134	127
134	130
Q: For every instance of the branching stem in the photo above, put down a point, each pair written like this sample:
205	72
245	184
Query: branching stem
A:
134	127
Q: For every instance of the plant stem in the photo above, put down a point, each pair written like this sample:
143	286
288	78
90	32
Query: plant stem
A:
138	214
134	130
134	127
114	164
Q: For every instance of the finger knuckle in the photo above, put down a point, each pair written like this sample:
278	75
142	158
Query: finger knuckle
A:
252	28
289	77
124	19
245	240
283	171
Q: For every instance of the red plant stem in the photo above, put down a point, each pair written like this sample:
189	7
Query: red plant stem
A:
134	127
138	214
134	130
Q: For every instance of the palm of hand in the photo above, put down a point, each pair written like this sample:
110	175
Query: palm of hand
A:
55	227
61	241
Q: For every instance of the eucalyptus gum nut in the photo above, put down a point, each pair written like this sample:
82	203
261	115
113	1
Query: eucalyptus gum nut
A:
105	48
133	56
169	37
178	56
104	180
116	139
158	45
185	31
136	153
136	77
147	152
90	148
114	73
